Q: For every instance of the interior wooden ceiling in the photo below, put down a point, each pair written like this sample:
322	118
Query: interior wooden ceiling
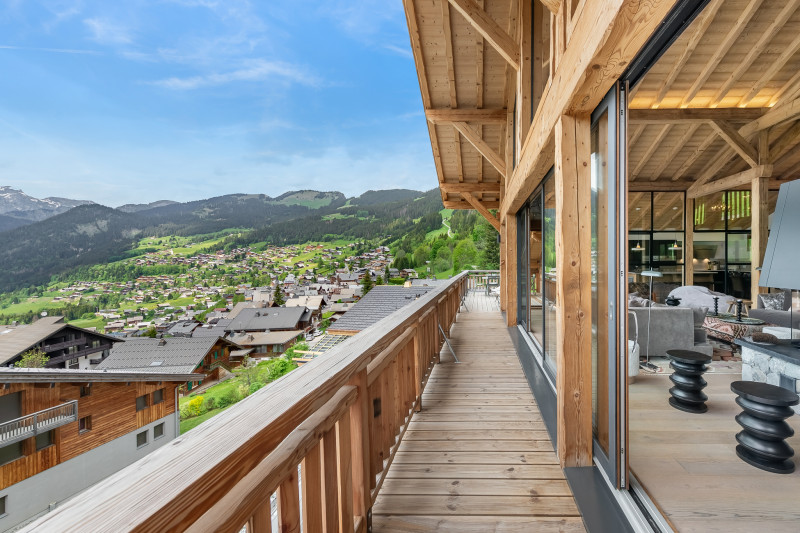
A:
458	70
739	60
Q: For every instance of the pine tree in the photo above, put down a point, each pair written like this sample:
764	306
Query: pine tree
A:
280	299
366	284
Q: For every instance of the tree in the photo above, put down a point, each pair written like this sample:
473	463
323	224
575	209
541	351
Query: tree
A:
34	358
150	332
279	299
366	283
379	280
464	255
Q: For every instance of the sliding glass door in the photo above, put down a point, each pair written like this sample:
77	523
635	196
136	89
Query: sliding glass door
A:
609	410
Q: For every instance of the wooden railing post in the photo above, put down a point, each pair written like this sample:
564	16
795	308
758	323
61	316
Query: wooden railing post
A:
345	474
359	432
331	481
419	368
289	504
311	472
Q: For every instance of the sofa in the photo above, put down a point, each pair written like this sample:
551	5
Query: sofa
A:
671	328
780	317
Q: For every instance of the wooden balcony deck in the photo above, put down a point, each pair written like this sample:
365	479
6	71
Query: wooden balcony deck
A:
477	458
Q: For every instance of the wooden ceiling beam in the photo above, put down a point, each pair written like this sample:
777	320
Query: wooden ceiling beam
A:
668	186
648	153
682	116
776	115
448	46
473	137
491	31
703	22
774	67
675	151
448	116
694	156
459	188
637	132
714	166
479	45
729	182
463	204
482	209
736	141
789	90
755	51
722	49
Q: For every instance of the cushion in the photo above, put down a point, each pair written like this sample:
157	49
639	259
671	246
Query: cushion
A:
699	316
775	301
697	296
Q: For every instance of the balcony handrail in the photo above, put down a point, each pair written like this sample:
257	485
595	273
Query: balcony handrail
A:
33	424
175	487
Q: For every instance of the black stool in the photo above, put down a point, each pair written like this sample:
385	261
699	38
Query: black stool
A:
761	441
687	394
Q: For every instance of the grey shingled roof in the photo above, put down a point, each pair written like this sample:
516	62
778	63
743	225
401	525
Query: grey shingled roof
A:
217	330
377	304
176	354
184	327
268	318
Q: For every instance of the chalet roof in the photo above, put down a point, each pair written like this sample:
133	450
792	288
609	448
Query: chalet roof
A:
312	302
176	354
239	307
50	375
21	339
184	327
261	339
378	303
268	319
217	330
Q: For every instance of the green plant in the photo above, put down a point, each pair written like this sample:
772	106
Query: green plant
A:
210	403
34	358
229	398
255	386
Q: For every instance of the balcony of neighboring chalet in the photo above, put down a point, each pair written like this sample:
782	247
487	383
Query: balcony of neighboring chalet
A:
396	429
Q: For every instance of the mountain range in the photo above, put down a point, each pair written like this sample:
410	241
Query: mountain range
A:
18	209
89	233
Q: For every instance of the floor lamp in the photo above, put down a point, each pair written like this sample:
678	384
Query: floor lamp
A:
650	274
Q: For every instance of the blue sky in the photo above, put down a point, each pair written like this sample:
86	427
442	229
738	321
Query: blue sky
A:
136	101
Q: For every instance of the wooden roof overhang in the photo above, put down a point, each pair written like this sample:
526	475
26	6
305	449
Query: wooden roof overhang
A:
721	106
467	57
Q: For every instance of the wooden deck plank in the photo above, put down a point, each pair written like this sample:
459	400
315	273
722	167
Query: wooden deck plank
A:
477	457
475	524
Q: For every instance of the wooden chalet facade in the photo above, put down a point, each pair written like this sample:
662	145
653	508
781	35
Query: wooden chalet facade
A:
66	346
63	430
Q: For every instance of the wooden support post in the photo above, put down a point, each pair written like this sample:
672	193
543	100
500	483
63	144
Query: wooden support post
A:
509	281
573	288
311	472
289	504
688	242
524	74
759	211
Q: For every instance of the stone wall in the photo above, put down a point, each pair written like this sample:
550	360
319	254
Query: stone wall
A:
758	366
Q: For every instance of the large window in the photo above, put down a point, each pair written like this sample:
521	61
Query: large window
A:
656	234
722	241
536	232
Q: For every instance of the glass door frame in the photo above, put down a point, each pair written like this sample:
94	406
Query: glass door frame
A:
615	463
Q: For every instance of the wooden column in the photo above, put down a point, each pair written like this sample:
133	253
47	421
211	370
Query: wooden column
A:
509	281
688	242
573	288
759	211
504	251
524	74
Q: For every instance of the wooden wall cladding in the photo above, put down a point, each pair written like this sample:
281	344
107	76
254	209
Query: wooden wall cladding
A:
111	406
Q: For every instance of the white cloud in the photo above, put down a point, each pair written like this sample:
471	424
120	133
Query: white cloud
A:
54	50
399	50
258	70
107	32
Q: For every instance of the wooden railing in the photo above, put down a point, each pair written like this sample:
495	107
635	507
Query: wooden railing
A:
478	278
42	421
321	438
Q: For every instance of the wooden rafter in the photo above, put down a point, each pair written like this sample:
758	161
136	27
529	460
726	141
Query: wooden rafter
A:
480	208
650	150
789	90
755	51
552	5
675	151
714	166
698	115
775	66
776	115
736	141
479	91
458	188
484	116
694	156
646	186
637	132
491	31
786	142
722	49
473	137
704	21
729	182
448	46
